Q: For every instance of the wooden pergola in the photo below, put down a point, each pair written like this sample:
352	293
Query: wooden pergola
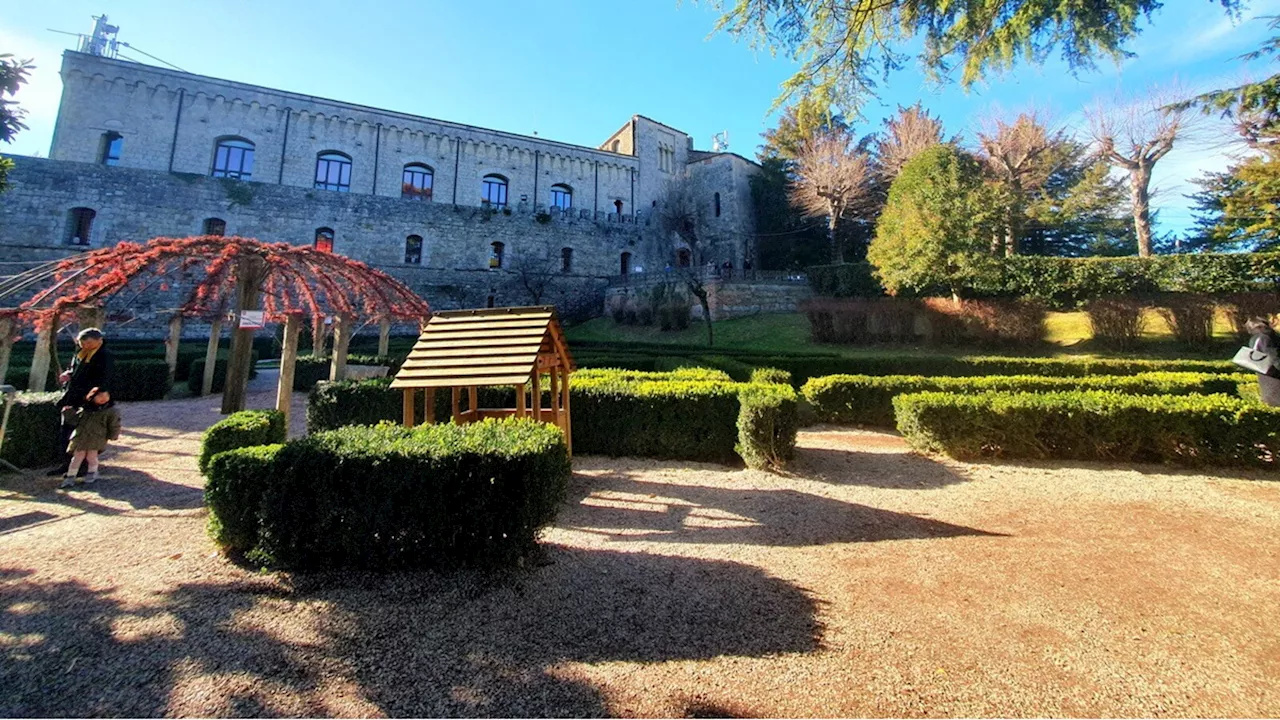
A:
470	349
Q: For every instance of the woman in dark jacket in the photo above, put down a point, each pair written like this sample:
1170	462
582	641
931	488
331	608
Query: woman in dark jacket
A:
1263	339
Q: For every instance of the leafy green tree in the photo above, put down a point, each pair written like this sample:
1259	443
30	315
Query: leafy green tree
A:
798	124
13	74
936	229
1257	102
846	46
785	238
1240	209
1081	210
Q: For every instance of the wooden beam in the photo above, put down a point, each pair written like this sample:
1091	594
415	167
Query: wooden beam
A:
211	355
171	346
341	341
537	394
408	406
288	361
384	336
429	407
520	400
39	374
457	396
317	337
251	273
568	414
473	398
555	395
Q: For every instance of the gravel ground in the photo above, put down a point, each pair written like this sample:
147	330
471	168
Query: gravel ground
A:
870	581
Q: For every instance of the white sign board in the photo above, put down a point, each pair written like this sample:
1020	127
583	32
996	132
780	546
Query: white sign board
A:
252	319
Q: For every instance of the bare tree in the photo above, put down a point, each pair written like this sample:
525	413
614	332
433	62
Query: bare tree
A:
832	180
904	137
1134	137
537	269
681	216
1020	156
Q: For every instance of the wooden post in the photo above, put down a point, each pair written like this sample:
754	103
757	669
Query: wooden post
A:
537	393
40	361
211	355
288	361
384	336
521	408
429	407
250	274
568	414
473	401
555	396
408	407
8	324
171	346
317	337
341	340
457	396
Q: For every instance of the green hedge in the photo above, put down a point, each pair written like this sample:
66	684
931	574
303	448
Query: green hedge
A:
331	405
767	423
769	375
140	380
392	497
31	439
195	373
246	428
310	369
1190	430
868	399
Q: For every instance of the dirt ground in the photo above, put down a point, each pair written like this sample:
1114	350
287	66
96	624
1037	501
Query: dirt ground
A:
871	581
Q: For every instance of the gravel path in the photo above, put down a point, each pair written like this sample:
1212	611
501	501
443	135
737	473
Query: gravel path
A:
869	582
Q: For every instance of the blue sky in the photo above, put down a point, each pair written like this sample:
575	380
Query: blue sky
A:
575	70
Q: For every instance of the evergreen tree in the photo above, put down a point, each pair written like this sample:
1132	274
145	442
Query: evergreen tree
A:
13	75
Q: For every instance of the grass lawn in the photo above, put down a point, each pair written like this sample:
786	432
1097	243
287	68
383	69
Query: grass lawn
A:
782	333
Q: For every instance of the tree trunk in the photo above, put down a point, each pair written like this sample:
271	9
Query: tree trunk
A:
7	326
171	346
384	336
250	275
288	361
1140	194
211	355
39	374
837	249
701	294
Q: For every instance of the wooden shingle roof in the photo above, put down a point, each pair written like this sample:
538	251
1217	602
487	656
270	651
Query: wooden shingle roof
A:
498	346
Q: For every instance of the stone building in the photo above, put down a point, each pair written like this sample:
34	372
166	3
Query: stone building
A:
467	216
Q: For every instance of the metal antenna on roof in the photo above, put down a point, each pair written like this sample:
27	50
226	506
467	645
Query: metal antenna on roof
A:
720	142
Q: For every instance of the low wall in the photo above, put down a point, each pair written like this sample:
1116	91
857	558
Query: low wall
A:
726	298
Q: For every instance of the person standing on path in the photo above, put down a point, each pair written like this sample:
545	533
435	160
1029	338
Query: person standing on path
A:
95	424
1263	339
91	368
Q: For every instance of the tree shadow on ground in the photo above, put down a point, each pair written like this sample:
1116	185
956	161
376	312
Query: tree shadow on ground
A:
1103	466
467	643
625	506
890	470
140	490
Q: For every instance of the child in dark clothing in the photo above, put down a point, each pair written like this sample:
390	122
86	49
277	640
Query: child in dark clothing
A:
95	423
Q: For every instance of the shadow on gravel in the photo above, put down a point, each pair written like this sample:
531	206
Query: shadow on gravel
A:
898	471
466	643
141	490
628	509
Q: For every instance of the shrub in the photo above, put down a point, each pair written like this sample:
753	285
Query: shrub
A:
237	480
246	428
393	497
669	418
1240	308
848	280
1117	320
855	321
332	405
985	322
31	439
140	380
769	375
195	374
309	369
1190	430
734	368
767	425
1189	316
868	400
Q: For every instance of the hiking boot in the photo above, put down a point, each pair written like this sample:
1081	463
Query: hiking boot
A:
67	481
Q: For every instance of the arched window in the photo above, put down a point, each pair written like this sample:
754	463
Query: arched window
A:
233	158
112	145
626	264
333	172
324	239
717	204
561	197
683	258
80	225
413	250
493	191
214	226
616	146
566	260
416	181
497	250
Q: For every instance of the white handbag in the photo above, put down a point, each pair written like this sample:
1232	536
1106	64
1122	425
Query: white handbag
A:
1255	360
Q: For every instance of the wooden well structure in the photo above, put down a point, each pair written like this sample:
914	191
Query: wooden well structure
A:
464	350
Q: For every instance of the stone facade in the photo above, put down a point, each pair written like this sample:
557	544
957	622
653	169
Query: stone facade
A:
158	180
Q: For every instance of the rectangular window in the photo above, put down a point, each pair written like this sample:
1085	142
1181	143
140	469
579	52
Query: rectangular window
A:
416	183
112	145
494	192
333	172
666	159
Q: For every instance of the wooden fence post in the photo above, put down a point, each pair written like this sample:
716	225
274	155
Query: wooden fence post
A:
8	324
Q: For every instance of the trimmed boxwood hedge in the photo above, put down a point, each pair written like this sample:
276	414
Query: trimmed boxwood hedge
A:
140	380
310	369
331	405
868	399
392	497
767	423
31	439
1092	425
246	428
195	372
